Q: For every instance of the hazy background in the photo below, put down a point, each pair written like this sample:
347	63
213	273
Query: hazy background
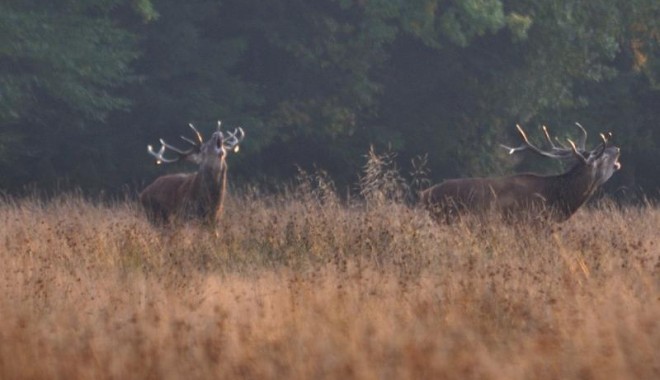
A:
85	85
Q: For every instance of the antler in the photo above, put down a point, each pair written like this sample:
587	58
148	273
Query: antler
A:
160	158
200	140
556	152
231	142
561	151
592	154
576	153
582	141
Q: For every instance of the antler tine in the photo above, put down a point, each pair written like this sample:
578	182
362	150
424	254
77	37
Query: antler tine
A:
561	144
557	146
522	133
219	125
522	147
603	145
189	141
576	152
241	133
582	141
175	149
159	155
547	137
199	135
606	137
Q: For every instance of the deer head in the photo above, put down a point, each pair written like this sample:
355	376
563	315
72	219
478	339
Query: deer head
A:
596	165
192	195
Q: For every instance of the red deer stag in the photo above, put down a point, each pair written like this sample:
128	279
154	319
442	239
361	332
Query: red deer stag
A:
197	195
551	197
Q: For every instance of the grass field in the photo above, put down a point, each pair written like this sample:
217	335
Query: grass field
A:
303	286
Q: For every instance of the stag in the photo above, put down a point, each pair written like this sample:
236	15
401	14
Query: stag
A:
542	197
198	195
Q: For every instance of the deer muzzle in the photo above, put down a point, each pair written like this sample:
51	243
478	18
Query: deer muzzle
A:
617	164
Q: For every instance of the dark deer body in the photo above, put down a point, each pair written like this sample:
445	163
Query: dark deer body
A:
552	197
198	195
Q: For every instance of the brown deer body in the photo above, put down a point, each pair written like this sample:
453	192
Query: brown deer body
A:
551	197
199	195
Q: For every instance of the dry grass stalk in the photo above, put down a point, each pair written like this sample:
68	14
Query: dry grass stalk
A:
300	285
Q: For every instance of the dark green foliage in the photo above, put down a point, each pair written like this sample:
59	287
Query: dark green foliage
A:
62	67
85	85
63	57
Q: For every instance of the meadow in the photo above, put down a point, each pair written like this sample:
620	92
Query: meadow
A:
304	285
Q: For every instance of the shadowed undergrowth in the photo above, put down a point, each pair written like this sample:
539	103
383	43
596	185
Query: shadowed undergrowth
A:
303	285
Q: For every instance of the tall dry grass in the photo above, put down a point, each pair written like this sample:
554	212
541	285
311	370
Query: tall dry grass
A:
301	285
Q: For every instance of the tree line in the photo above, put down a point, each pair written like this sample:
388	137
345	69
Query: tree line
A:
85	85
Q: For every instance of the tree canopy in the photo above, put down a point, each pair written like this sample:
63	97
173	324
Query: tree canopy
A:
86	85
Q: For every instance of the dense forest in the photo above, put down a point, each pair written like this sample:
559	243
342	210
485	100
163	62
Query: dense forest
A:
85	85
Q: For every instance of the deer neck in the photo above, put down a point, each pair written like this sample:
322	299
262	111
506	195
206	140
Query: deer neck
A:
210	187
571	190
